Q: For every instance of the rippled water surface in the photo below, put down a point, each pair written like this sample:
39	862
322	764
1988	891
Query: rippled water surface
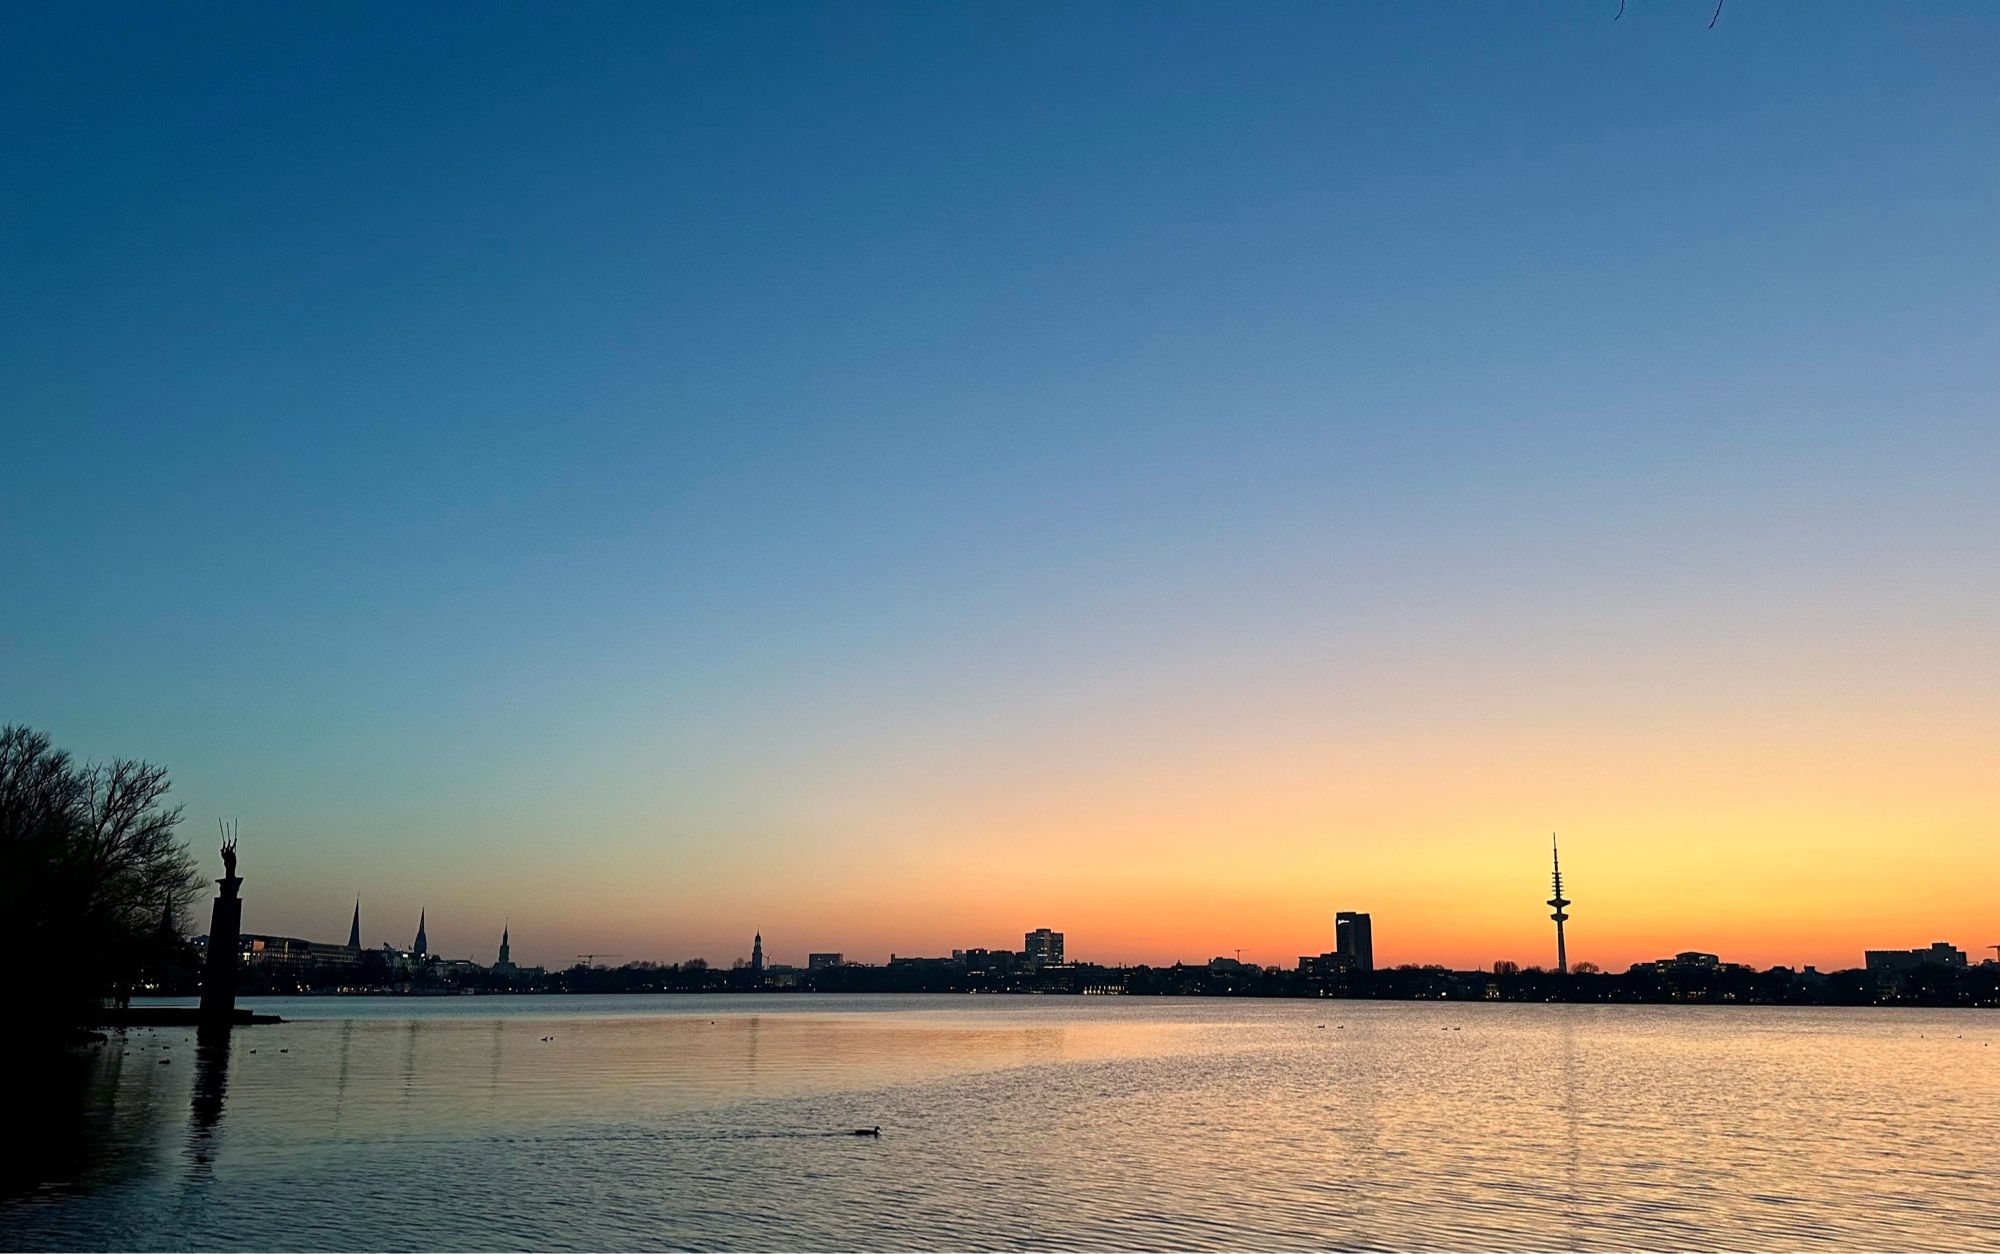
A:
1020	1122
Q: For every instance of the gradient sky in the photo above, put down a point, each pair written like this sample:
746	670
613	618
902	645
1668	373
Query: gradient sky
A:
898	476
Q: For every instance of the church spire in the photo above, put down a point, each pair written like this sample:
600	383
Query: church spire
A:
423	946
505	959
354	928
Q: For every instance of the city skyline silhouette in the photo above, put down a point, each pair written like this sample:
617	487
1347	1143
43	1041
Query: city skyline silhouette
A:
1133	626
913	476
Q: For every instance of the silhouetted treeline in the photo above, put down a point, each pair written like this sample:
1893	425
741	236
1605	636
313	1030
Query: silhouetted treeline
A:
95	884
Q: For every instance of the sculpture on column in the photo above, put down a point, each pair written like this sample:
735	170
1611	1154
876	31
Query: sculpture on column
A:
225	935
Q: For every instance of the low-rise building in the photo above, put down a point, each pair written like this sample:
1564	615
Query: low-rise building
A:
289	953
921	963
1688	959
1940	954
996	960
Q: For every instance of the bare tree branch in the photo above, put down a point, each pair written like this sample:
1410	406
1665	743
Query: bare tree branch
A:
91	869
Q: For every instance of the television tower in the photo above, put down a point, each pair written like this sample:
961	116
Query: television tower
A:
1559	902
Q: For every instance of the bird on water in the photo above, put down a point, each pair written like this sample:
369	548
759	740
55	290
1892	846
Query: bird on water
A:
874	1131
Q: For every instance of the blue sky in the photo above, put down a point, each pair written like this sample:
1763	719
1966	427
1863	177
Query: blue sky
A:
439	433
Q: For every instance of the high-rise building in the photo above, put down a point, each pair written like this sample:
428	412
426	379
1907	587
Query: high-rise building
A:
820	962
1043	948
1354	940
1561	904
422	947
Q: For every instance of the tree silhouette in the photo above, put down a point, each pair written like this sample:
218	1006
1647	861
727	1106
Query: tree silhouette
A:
93	878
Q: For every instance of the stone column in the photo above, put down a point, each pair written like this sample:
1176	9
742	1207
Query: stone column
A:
225	935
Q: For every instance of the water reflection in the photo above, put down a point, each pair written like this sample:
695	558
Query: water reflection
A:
58	1120
81	1120
409	1086
1156	1124
1572	1138
211	1092
340	1072
498	1042
1360	1159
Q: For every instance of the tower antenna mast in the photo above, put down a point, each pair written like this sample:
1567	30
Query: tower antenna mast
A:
1560	903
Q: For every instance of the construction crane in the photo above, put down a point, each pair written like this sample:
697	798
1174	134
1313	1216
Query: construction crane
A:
1996	952
590	960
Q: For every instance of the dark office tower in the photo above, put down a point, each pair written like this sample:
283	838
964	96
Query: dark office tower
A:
1044	948
354	928
423	945
1354	940
1559	902
757	956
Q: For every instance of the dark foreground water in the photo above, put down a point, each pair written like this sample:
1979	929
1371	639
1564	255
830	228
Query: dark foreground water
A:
1019	1122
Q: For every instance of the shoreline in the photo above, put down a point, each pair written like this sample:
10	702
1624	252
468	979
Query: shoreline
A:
156	1012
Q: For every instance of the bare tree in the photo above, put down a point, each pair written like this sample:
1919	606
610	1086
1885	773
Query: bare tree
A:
92	875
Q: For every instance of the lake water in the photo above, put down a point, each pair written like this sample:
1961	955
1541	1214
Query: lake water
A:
1085	1123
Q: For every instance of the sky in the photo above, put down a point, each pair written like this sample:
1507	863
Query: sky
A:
894	476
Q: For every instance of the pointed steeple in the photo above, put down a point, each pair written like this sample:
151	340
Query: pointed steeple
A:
423	945
505	959
354	929
757	955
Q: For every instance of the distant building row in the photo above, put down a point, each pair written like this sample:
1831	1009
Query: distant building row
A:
283	954
1040	949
